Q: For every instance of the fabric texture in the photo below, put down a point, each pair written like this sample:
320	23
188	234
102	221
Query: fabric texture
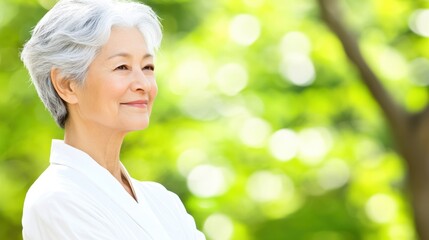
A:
76	198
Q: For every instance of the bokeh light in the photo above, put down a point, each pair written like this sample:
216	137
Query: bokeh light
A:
207	181
255	132
261	125
419	71
298	69
266	186
231	78
381	208
295	42
189	159
314	144
419	22
401	231
218	227
296	65
392	64
283	144
183	82
205	108
244	29
334	174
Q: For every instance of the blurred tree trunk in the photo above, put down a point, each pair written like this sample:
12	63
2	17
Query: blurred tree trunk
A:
409	131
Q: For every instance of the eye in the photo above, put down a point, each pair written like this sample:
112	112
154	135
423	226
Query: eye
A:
149	67
122	67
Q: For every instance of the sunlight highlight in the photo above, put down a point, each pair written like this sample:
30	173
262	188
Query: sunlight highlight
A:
295	42
284	144
218	227
244	29
419	22
334	174
204	109
381	208
231	78
182	82
189	159
254	132
207	181
296	65
266	186
298	69
392	64
314	144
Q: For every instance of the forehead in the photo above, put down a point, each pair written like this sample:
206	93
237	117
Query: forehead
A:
125	40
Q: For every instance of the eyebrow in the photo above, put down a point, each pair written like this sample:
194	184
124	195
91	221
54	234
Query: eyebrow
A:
147	55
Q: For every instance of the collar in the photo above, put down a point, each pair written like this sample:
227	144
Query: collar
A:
66	155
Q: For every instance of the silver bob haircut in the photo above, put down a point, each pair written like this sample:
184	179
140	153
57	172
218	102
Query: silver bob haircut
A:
71	34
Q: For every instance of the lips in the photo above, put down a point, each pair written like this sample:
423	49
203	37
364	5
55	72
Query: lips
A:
137	104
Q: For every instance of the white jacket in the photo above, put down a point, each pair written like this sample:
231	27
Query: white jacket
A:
76	198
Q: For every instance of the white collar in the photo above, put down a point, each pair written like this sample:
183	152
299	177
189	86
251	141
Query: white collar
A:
66	155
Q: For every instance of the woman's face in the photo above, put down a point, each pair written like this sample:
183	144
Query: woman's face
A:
120	87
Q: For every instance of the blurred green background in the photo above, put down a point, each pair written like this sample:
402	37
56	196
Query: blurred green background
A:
261	125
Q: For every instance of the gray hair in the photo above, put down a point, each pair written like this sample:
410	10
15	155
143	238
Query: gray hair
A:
71	34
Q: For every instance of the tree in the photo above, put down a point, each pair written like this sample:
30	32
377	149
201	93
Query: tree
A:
410	131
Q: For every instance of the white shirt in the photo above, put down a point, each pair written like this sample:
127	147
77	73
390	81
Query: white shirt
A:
76	198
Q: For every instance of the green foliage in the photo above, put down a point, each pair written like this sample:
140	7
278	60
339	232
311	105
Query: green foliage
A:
252	154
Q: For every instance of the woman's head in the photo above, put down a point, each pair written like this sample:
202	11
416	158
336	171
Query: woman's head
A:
72	34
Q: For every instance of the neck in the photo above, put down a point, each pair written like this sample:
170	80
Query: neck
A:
102	144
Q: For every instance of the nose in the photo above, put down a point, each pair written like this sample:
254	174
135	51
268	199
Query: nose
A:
141	82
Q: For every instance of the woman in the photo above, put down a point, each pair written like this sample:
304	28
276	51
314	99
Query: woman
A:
92	63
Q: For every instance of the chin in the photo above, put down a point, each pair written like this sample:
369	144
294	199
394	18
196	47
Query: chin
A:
137	126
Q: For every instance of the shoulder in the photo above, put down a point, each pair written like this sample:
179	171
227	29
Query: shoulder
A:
55	184
57	193
46	188
49	197
56	208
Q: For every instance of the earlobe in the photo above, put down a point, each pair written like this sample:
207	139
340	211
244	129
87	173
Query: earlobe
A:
65	88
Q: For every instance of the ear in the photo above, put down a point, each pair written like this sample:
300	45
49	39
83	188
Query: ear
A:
65	88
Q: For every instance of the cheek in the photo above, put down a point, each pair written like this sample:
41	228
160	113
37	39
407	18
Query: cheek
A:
154	90
105	96
113	90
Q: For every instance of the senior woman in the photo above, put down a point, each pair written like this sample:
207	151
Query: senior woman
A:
92	63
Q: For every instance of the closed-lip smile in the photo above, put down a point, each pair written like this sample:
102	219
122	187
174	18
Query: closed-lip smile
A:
138	103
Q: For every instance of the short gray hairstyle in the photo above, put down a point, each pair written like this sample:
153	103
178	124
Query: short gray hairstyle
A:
71	34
